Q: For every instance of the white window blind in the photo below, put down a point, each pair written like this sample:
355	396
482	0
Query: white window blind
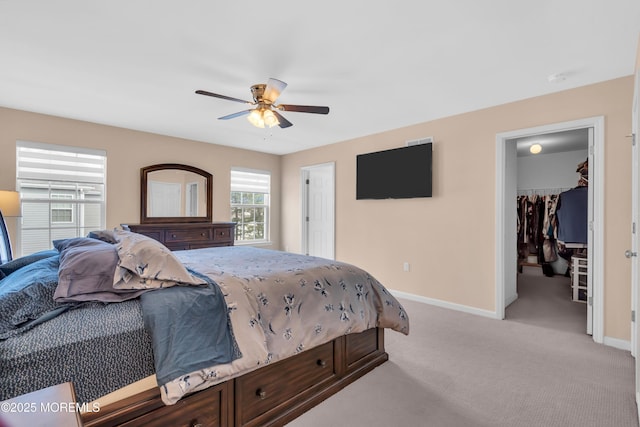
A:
62	190
250	181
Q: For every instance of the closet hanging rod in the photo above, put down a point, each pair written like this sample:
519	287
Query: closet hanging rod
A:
541	191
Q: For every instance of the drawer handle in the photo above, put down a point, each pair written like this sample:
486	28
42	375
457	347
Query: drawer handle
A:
321	363
261	393
173	236
195	423
203	234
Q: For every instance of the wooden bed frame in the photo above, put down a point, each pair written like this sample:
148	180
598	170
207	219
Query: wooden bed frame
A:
270	396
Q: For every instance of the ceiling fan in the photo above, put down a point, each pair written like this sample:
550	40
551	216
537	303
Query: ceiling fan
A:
266	110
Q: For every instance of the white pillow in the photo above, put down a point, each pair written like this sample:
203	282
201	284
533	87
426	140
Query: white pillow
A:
145	263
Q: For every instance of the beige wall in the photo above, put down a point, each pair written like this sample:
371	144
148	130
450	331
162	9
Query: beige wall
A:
127	152
449	240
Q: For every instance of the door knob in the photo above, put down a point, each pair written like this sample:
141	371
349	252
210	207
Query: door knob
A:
629	253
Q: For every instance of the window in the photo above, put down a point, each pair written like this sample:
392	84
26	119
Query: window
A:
250	204
62	191
61	212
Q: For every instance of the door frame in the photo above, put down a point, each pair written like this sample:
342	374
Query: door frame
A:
635	235
506	258
304	199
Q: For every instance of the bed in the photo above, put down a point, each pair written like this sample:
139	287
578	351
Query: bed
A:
290	330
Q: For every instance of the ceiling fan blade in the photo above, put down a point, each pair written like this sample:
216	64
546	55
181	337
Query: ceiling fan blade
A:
283	123
304	108
215	95
274	89
234	115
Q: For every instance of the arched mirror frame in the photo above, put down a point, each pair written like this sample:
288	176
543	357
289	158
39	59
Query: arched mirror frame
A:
144	194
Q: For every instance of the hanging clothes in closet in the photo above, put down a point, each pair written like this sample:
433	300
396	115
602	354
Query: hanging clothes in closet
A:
538	229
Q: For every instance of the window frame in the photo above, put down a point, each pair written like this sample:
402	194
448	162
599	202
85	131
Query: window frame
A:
236	187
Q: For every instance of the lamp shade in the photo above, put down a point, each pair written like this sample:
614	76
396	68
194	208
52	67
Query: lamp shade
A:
10	203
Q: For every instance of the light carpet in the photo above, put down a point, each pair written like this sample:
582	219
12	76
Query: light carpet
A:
458	369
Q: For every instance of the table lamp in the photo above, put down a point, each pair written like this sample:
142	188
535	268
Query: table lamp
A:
9	207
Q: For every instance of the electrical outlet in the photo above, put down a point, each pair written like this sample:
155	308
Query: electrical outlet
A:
406	266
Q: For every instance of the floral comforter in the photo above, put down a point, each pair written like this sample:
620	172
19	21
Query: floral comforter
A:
281	304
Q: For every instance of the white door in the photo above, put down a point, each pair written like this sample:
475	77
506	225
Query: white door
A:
318	211
590	240
166	199
632	253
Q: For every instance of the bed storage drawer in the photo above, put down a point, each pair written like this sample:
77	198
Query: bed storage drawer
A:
265	389
361	346
205	408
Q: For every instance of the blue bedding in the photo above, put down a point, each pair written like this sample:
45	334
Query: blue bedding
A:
186	328
26	296
190	328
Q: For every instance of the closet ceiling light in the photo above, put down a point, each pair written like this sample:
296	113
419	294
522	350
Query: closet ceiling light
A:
535	148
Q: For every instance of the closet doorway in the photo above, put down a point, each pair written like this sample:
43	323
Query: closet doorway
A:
512	183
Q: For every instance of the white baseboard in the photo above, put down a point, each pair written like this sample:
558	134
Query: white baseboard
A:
612	342
617	343
445	304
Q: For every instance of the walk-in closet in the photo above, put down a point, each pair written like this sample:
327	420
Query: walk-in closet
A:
552	231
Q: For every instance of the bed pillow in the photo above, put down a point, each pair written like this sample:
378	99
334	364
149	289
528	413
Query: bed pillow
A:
104	235
26	297
146	263
86	271
16	264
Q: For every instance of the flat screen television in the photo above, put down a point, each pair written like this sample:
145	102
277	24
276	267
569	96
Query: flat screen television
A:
399	173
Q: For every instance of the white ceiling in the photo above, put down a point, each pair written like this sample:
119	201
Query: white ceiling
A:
556	142
378	65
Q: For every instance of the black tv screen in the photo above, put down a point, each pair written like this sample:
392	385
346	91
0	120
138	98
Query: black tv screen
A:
399	173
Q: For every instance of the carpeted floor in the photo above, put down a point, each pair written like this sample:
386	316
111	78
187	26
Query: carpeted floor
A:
546	301
457	369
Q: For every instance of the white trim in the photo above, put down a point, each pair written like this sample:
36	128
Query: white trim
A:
597	185
617	343
63	148
444	304
609	341
252	170
510	300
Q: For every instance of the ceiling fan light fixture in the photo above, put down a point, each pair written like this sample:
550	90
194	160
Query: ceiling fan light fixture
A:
266	112
269	118
255	118
263	117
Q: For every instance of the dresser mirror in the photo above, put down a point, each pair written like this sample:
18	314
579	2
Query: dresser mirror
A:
175	193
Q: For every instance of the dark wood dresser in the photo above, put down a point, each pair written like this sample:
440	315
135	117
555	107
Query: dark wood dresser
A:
181	236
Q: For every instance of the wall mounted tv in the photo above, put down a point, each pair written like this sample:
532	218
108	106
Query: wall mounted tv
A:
399	173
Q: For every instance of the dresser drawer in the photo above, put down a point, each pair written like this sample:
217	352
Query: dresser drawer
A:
265	389
205	408
154	234
178	237
180	246
187	235
222	234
